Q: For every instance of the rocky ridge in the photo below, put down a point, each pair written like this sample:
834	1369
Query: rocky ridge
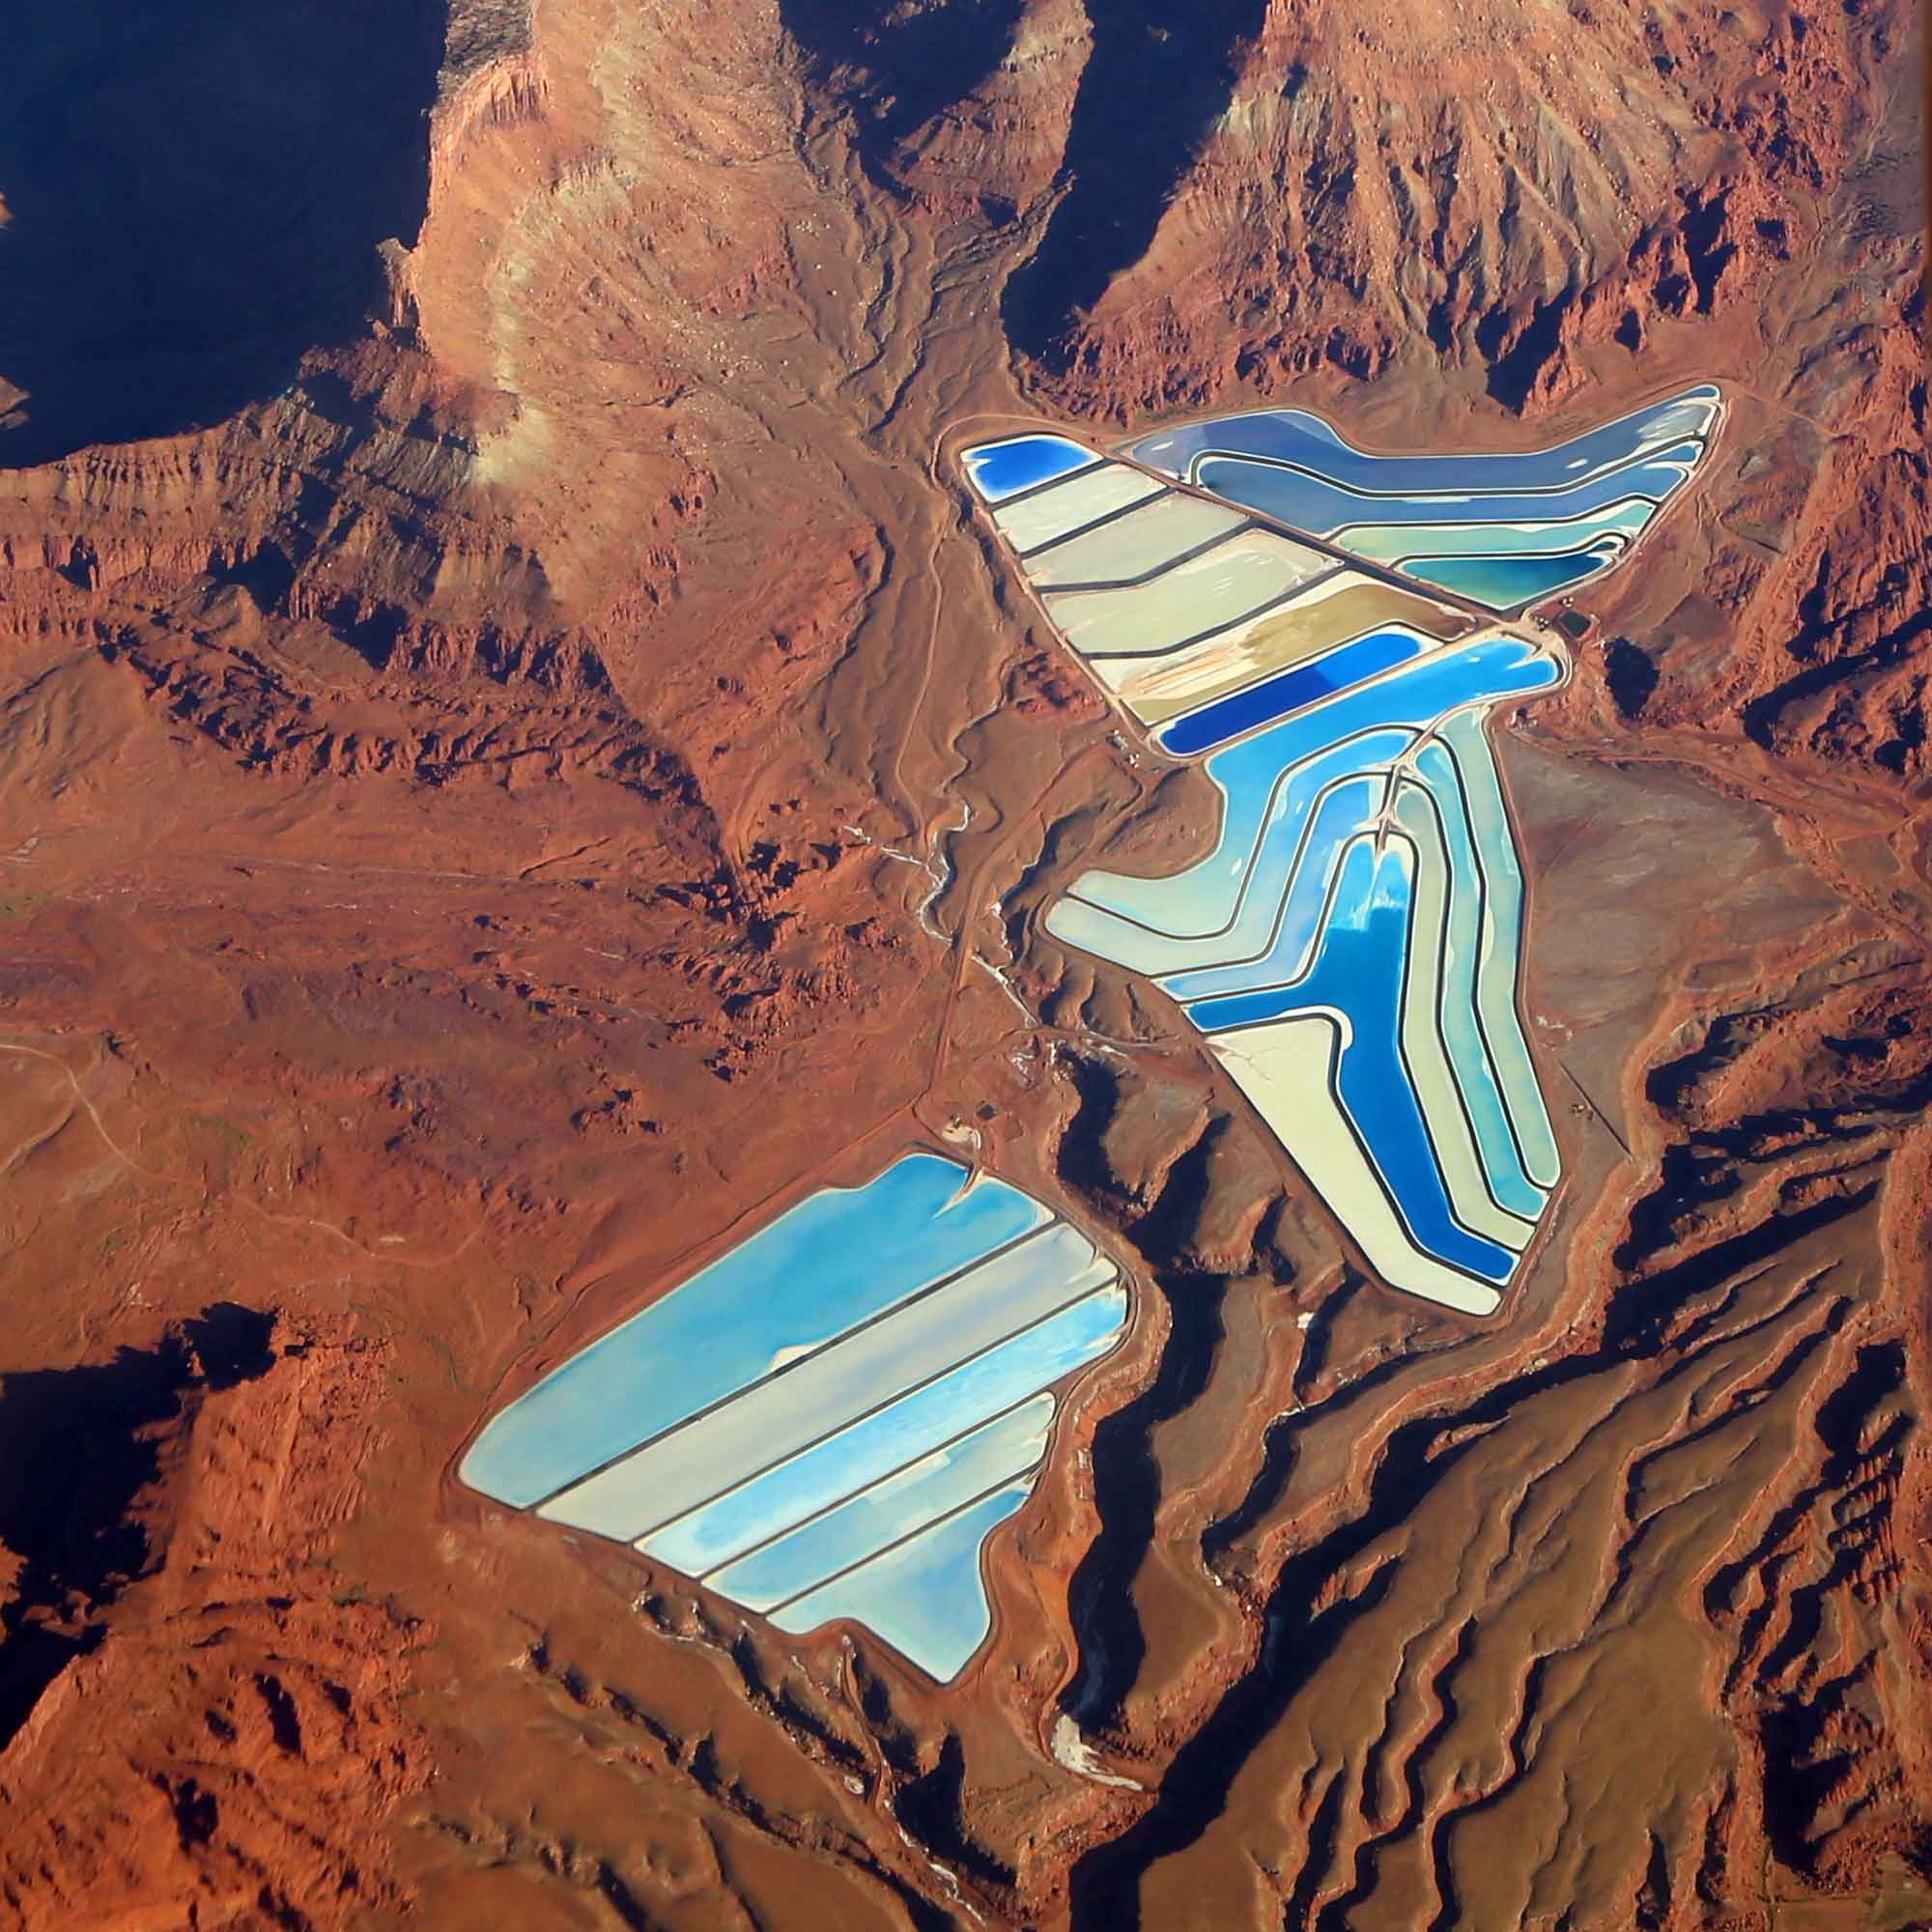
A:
461	797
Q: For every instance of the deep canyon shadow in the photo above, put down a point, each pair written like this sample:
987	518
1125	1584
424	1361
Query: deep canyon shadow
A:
1303	1620
1160	74
904	65
194	194
77	1448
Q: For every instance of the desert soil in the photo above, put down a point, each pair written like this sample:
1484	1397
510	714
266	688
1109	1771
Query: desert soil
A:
516	762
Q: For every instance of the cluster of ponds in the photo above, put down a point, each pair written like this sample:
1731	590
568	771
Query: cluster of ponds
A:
829	1420
1503	532
1350	947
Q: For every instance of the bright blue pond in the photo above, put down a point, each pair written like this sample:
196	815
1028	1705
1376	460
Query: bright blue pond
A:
1224	910
1293	435
832	1408
1293	889
1253	776
1298	894
725	1326
1311	504
1290	690
892	1437
784	1413
1002	469
1505	582
924	1596
1470	1053
944	1480
1357	788
1429	689
1482	798
1358	971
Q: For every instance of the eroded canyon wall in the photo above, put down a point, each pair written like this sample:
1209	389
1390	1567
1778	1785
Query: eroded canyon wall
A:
525	762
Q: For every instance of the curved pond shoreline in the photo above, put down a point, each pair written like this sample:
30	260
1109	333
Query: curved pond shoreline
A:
1351	945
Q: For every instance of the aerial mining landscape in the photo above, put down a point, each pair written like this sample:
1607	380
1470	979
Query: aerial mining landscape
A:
965	965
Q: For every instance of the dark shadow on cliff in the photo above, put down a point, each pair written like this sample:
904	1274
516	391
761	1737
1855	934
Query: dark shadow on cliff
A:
194	195
1160	75
1631	673
1515	370
78	1446
900	66
1112	1646
1303	1619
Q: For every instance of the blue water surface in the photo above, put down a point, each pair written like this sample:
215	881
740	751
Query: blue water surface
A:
1229	906
1290	690
1456	1000
1002	469
1482	799
1308	502
1505	582
1342	813
1253	778
1434	685
890	1437
779	1415
790	1287
925	1597
863	1525
1358	971
1293	435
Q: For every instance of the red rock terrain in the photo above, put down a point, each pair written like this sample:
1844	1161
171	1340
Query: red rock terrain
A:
514	760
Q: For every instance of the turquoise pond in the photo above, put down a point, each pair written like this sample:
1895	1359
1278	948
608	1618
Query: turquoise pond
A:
1365	881
830	1419
1521	524
1350	947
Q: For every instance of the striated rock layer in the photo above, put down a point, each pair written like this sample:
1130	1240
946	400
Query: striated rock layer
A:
514	765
